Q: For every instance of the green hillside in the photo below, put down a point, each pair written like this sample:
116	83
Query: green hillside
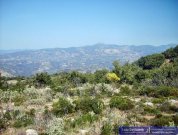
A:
72	103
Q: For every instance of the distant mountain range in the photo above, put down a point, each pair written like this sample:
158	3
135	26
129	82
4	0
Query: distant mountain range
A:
84	59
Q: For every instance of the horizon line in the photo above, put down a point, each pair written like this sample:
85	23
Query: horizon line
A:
110	44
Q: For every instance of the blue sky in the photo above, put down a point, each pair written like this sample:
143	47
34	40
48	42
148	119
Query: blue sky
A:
33	24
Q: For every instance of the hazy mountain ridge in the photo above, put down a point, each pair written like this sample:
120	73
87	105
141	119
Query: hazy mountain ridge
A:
85	59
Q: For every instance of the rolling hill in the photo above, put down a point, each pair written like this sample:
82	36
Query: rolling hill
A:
84	59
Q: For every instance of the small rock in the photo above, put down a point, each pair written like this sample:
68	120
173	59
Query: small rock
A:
4	111
149	104
172	101
83	132
72	119
31	132
137	99
92	113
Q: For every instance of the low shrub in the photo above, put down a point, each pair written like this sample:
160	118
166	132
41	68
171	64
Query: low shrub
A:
72	92
19	86
160	120
31	93
42	80
7	115
125	90
83	120
15	113
31	112
175	119
23	121
115	129
158	100
159	91
166	91
121	103
90	92
58	88
167	107
151	110
18	100
145	91
5	96
3	124
55	127
62	107
18	124
38	101
106	129
88	104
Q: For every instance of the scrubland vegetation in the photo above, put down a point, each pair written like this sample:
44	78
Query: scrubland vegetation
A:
138	94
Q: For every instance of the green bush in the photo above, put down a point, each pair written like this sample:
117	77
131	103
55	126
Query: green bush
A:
128	72
42	80
121	103
18	124
159	91
167	91
19	86
158	100
97	106
62	107
125	90
23	121
88	104
7	115
175	119
55	127
3	124
18	100
76	78
90	91
15	113
171	53
151	61
167	107
146	91
72	92
151	110
58	88
100	76
83	120
141	75
116	129
31	112
160	120
3	83
106	129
